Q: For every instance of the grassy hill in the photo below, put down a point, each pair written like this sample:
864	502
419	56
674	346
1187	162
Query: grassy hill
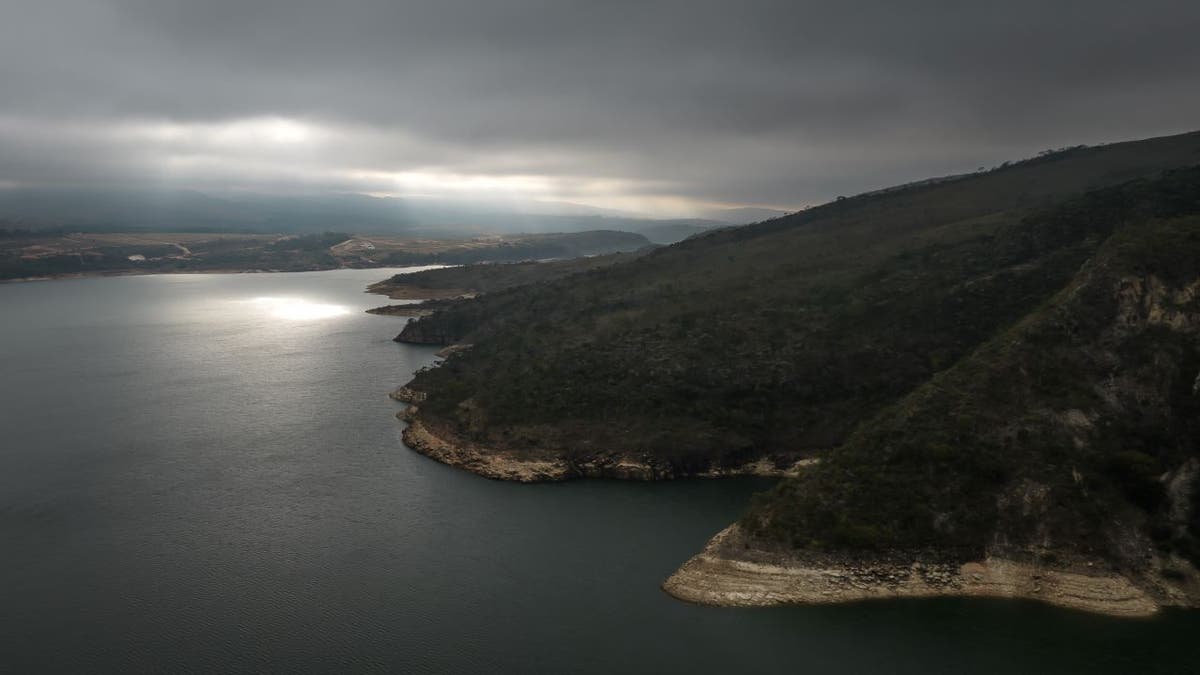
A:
1074	431
469	280
503	248
777	339
995	366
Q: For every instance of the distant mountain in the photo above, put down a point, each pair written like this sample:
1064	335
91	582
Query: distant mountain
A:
1001	366
31	254
671	231
192	211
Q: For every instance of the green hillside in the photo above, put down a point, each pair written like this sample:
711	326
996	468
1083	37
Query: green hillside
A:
490	277
1074	432
779	339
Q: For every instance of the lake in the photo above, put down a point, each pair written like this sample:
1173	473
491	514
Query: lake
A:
204	473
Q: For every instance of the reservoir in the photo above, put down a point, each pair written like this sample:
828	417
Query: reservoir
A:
204	473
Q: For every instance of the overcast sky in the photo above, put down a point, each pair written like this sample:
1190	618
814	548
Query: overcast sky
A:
659	107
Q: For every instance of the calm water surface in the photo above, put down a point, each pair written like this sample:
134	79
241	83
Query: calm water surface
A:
203	473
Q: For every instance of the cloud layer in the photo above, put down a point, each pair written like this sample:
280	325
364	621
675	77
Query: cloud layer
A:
652	106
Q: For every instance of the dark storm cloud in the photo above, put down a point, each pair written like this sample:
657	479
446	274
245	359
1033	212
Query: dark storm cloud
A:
748	102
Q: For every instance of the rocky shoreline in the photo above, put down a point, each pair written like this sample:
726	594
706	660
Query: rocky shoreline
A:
401	291
730	572
411	310
444	446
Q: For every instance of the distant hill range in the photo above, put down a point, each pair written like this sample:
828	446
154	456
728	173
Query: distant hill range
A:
40	254
1000	368
191	211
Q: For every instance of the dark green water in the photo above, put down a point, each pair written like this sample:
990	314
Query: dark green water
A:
193	479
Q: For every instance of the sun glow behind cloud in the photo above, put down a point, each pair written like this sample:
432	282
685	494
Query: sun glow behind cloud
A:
241	133
435	183
612	194
273	152
309	152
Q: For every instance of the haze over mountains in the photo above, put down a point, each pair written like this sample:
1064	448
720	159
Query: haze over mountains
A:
195	211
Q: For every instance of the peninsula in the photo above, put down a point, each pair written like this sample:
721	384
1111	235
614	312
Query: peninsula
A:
997	372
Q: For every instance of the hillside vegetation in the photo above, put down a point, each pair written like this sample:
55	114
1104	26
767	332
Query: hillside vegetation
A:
1074	432
778	339
508	248
489	277
1000	369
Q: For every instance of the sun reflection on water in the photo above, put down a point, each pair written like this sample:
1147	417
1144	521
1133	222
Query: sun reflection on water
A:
298	309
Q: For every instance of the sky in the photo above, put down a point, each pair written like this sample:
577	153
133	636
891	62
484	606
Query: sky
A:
662	108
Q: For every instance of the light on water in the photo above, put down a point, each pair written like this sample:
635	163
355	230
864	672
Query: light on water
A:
298	309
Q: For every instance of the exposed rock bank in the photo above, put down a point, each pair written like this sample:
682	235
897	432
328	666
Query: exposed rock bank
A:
731	572
442	444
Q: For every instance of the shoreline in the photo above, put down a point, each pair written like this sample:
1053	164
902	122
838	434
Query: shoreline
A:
443	446
150	273
719	577
138	273
732	572
412	310
232	270
411	292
